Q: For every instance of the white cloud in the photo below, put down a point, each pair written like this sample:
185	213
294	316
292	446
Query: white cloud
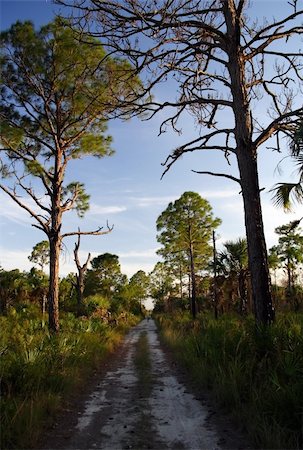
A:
15	259
130	268
153	201
139	254
274	217
13	212
104	210
219	194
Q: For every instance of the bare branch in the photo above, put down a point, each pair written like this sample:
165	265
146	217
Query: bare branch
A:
97	232
43	225
76	256
230	177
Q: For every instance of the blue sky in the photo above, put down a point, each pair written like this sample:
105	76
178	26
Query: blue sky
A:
126	188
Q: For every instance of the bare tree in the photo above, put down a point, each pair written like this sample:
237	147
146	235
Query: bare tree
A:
80	276
221	62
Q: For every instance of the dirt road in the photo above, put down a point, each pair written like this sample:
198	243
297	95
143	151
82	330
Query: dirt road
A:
140	404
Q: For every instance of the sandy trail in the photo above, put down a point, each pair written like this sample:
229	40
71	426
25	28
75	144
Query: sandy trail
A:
120	415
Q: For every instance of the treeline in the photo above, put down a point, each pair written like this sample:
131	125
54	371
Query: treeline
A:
107	292
196	276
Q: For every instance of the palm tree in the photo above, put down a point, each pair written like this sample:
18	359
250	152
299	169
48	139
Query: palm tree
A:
285	194
233	261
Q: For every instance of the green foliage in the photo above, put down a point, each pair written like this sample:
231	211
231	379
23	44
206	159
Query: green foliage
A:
105	277
58	88
161	282
76	192
139	285
14	289
254	372
187	223
288	254
40	254
39	368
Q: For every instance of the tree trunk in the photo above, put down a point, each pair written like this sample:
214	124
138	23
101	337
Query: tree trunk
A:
53	295
242	284
257	253
54	248
80	290
44	301
247	164
215	276
181	281
193	282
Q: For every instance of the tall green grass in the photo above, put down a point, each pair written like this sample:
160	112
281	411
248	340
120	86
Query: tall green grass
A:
255	373
39	369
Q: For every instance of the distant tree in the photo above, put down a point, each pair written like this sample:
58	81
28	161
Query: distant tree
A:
139	285
221	63
105	277
178	266
162	283
38	282
290	252
57	92
40	254
186	226
274	261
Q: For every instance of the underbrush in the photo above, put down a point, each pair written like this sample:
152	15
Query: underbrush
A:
39	370
255	373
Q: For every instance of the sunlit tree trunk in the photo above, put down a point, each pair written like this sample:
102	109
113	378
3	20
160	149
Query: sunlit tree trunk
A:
247	164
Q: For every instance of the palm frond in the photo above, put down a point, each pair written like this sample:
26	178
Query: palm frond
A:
286	193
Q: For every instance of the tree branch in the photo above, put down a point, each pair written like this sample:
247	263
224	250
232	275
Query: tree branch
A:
13	196
230	177
97	232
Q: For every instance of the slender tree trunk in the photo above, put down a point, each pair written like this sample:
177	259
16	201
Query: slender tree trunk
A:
215	276
55	246
80	290
44	301
289	284
243	290
193	283
53	296
181	281
247	164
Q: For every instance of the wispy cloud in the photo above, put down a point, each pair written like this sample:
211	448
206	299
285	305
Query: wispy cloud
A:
149	253
97	210
144	202
13	212
14	259
219	194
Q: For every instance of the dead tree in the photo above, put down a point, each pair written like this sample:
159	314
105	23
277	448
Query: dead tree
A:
220	64
79	285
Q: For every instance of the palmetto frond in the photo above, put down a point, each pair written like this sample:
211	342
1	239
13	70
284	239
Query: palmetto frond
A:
286	193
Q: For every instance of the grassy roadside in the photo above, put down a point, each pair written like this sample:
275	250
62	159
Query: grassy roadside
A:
39	370
256	376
